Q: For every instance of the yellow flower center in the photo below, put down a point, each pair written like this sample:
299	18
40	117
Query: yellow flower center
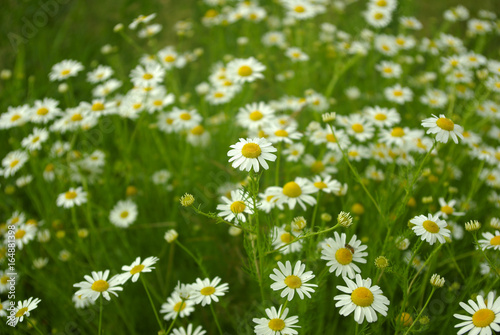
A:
245	71
218	95
20	234
483	317
380	117
179	306
14	163
330	138
358	128
286	237
445	124
137	269
256	116
124	214
378	16
318	167
209	290
100	285
157	102
495	240
65	72
296	54
276	324
387	70
98	106
147	76
398	93
238	207
211	13
76	117
447	210
21	312
251	150
362	297
185	116
293	282
169	121
299	9
431	226
292	189
70	195
382	3
281	133
169	59
137	105
15	117
397	132
319	184
4	279
198	130
406	319
42	111
343	256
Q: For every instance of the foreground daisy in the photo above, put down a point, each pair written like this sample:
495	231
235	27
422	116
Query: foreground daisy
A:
176	305
251	153
98	285
23	309
72	197
123	214
276	323
294	192
490	241
430	228
189	331
206	290
245	70
341	255
233	208
485	317
292	281
444	128
362	298
136	268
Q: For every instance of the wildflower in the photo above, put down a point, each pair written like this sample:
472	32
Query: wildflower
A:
284	240
98	285
251	153
437	281
123	214
447	208
276	323
484	317
430	228
175	304
65	69
13	162
235	207
344	219
72	197
187	200
136	268
490	241
206	290
291	281
294	192
342	255
472	225
245	70
381	262
189	330
24	308
171	235
444	128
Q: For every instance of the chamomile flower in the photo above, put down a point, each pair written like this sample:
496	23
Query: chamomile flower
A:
233	208
284	240
123	214
484	318
141	19
14	117
299	9
443	127
250	154
98	284
188	331
81	302
149	75
45	110
342	255
35	139
377	17
254	116
176	305
430	228
490	241
137	268
326	184
389	69
65	69
13	162
24	234
276	323
292	281
245	70
282	133
205	291
447	208
362	298
295	192
24	308
358	127
72	197
398	94
99	74
296	55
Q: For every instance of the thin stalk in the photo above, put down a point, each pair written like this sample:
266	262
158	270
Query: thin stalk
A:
100	316
198	261
34	326
216	320
422	310
151	301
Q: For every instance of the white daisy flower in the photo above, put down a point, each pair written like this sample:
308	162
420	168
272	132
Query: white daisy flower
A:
3	307
430	228
184	119
24	308
189	330
245	70
35	139
342	255
254	116
141	19
72	197
389	69
398	94
251	153
45	110
282	240
99	74
490	241
377	17
24	233
294	192
65	69
176	305
14	117
296	55
291	281
276	323
326	184
206	290
137	268
149	75
13	162
443	127
233	208
484	318
98	285
81	302
300	9
447	208
123	214
362	298
282	133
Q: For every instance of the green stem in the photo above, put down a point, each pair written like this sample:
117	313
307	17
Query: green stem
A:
303	237
422	310
284	307
151	301
315	210
100	315
277	172
175	319
198	261
492	265
216	320
34	326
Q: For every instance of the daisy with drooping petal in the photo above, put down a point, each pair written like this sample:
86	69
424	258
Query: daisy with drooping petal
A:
137	268
188	331
443	127
490	241
362	298
23	309
249	154
326	184
206	290
123	214
141	19
233	208
276	323
342	255
72	197
291	281
294	192
484	318
176	305
430	228
447	208
245	70
98	285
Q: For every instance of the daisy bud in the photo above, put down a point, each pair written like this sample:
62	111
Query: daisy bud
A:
299	223
171	235
62	88
472	225
405	319
187	200
83	233
495	223
437	281
344	219
64	255
427	200
329	117
118	27
326	217
381	262
424	320
234	231
402	243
